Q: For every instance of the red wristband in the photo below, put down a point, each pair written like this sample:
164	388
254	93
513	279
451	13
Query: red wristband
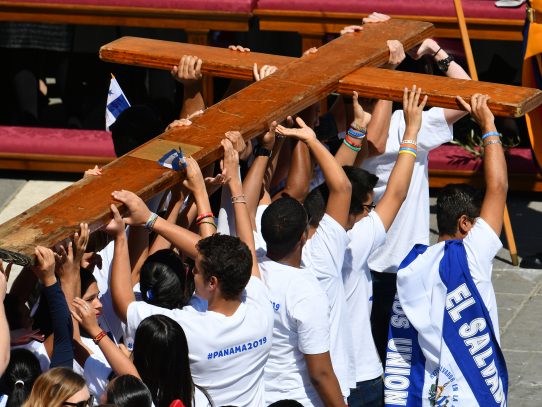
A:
205	215
99	337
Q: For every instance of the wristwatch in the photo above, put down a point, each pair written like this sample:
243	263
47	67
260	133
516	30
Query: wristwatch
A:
443	64
259	151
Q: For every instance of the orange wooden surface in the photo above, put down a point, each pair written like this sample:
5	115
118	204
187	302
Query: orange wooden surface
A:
296	86
513	101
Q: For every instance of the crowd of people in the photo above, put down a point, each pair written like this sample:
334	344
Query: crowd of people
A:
295	273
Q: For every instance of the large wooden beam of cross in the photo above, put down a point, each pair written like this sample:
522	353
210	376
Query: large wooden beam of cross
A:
298	85
506	100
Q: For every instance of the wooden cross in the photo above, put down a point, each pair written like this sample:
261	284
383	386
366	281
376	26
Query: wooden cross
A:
298	84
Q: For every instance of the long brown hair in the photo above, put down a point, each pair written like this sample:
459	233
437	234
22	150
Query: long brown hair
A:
54	387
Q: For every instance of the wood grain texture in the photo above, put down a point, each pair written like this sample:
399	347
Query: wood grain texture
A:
507	100
297	85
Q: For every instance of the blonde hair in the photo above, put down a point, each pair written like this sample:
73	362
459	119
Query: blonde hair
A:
53	388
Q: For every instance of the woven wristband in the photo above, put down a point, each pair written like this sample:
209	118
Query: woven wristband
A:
99	337
492	142
356	133
239	199
150	223
351	147
491	133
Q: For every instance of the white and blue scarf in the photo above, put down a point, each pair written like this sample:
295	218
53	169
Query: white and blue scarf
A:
470	368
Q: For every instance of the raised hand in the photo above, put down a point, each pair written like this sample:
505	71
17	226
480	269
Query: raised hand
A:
85	315
45	267
138	213
412	110
267	140
351	29
303	133
479	110
96	171
178	123
194	179
397	54
188	71
230	163
239	48
361	117
263	72
312	50
375	17
116	226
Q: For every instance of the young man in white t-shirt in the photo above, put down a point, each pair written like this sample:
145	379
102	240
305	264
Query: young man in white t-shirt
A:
464	218
366	231
323	252
411	225
230	340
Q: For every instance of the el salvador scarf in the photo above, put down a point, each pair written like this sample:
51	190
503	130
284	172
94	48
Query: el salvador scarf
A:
471	368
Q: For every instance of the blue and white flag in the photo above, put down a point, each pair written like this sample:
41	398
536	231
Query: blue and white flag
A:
173	159
461	365
116	103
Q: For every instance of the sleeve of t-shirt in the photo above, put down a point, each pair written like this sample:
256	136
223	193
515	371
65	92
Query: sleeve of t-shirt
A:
259	242
257	296
139	310
324	251
97	373
311	316
366	235
435	131
482	245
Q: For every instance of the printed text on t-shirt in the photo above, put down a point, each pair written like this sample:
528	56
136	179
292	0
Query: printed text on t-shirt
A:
237	349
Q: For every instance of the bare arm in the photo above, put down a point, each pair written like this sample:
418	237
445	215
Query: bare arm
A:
118	361
243	224
347	154
495	171
324	380
431	47
254	180
399	181
340	189
188	72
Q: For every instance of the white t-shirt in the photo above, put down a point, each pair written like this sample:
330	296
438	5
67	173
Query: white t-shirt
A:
366	235
39	351
481	245
323	254
411	225
227	354
301	327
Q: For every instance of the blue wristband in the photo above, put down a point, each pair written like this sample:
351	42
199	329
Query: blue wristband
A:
408	149
491	133
358	134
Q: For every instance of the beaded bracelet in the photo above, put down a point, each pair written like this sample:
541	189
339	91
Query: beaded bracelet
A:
492	142
99	337
152	220
356	133
413	142
491	133
353	142
351	147
239	199
205	215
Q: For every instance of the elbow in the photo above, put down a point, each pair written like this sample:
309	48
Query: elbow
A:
376	148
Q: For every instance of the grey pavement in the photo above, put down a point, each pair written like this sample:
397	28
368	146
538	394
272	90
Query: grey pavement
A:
519	291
